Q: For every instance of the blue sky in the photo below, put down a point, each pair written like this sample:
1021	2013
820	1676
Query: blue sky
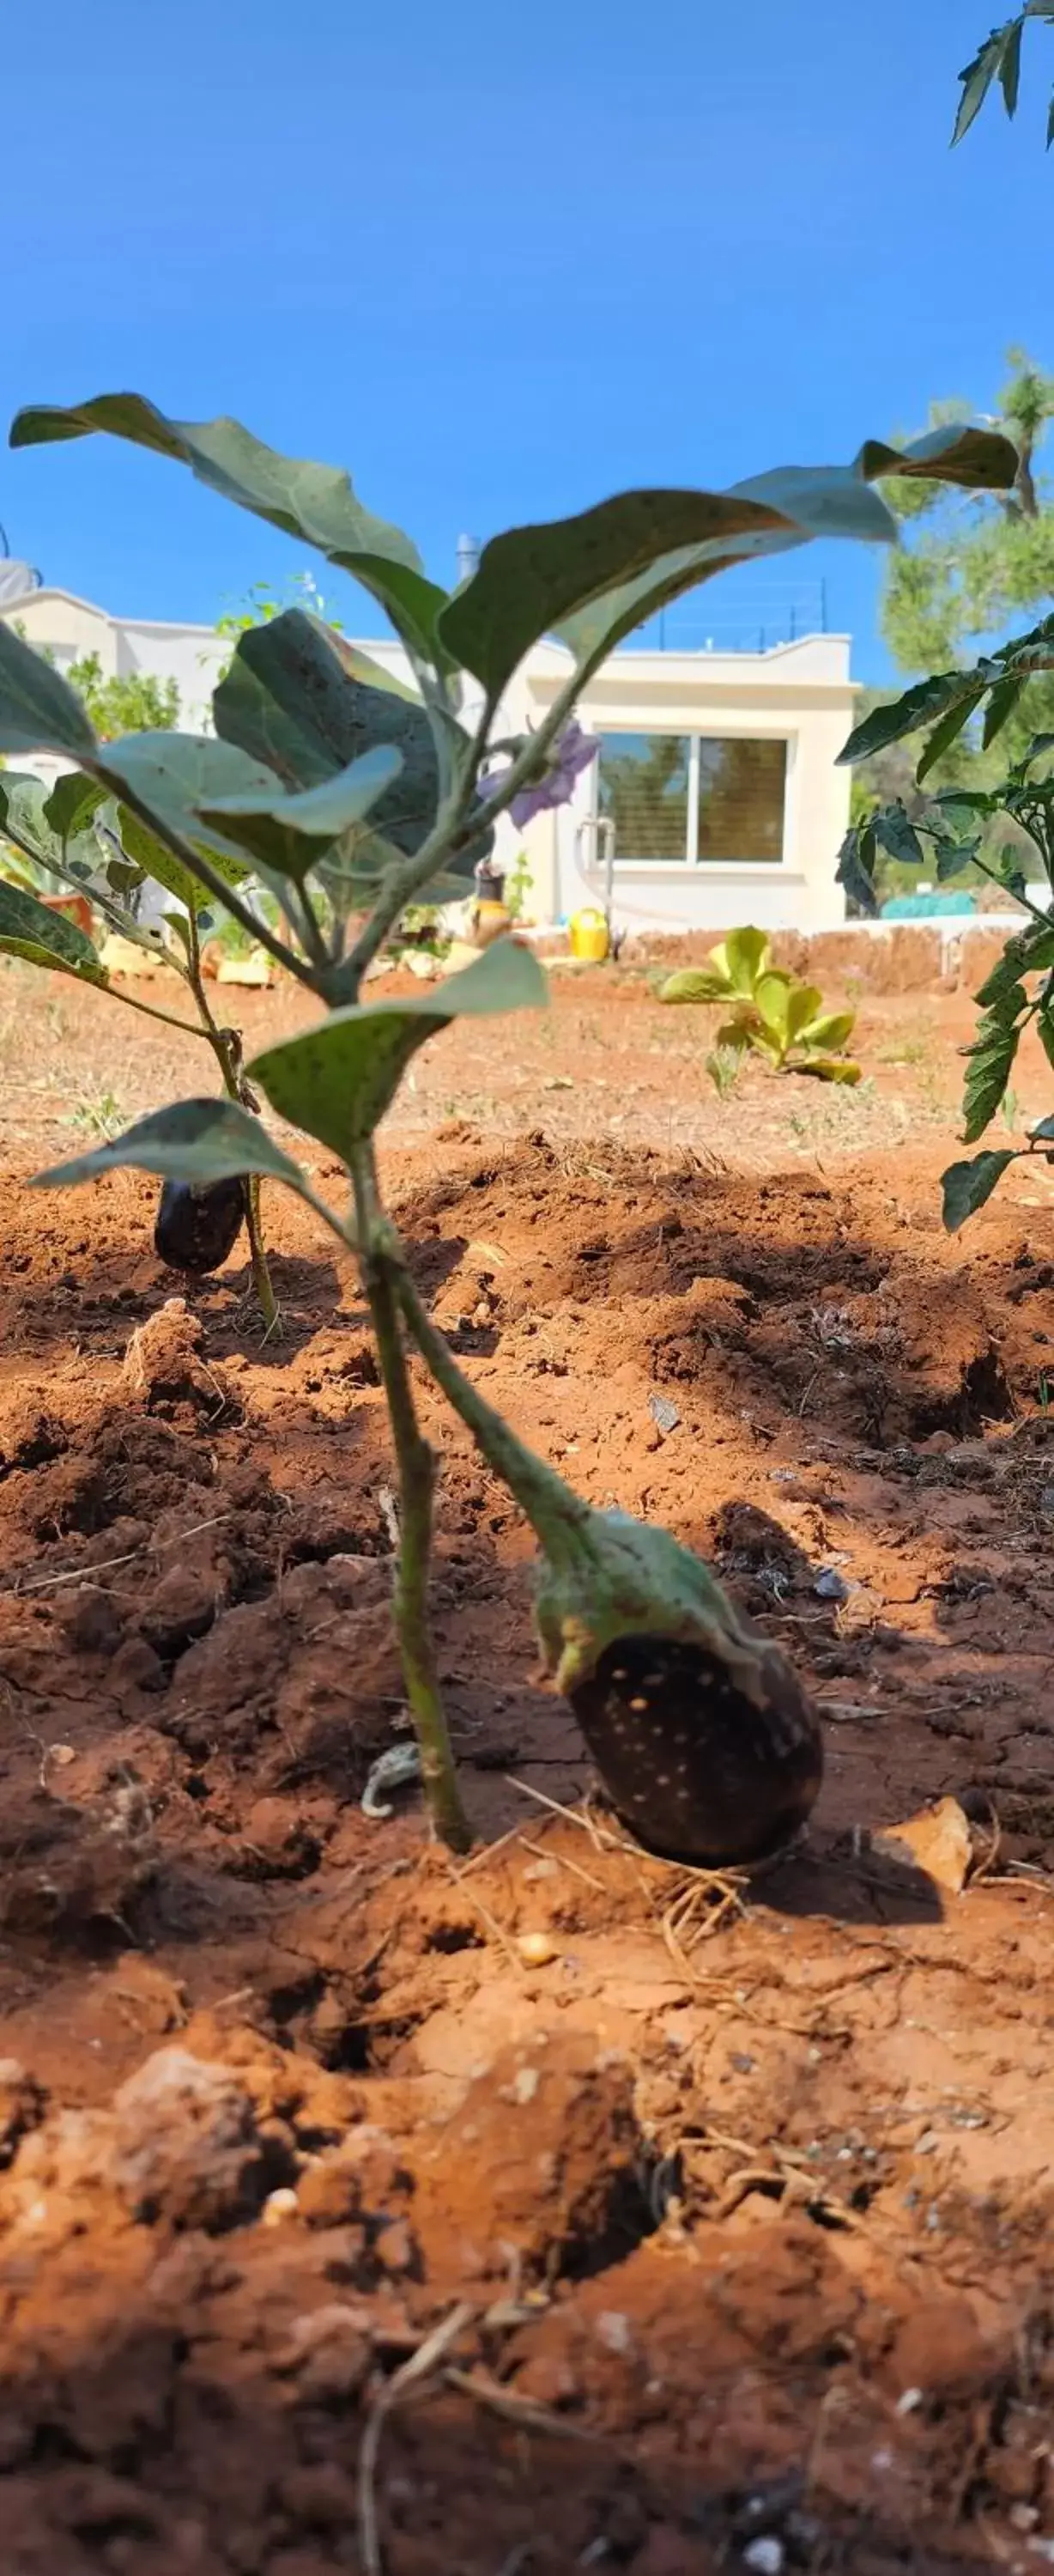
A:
498	262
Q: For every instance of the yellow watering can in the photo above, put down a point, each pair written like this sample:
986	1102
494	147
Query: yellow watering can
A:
589	934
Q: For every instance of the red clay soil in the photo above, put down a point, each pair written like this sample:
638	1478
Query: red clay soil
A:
716	2217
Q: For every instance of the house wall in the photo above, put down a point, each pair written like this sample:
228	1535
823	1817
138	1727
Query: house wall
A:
801	692
192	656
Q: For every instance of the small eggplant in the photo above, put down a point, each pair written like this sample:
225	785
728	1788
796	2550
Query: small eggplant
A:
699	1728
696	1769
197	1228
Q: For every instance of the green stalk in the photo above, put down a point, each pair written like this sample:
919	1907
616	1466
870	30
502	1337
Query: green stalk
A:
453	824
417	1481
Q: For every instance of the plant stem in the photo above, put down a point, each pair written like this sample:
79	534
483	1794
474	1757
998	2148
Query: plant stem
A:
417	1480
226	1047
454	824
559	1517
151	1012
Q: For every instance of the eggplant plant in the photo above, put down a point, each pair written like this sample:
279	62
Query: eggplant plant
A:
83	839
771	1013
958	829
351	793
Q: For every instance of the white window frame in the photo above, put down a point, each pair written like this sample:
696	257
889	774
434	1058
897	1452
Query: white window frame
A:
692	864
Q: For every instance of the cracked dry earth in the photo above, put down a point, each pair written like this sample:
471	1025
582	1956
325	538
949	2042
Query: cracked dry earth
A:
550	2211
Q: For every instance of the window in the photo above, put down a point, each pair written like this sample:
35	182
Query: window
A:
642	788
710	800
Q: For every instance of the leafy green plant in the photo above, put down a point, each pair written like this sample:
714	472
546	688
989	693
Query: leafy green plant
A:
771	1013
82	836
999	59
518	887
1020	988
135	702
138	702
995	692
351	793
96	1113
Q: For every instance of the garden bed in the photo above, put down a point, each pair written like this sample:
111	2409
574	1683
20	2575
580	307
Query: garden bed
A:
732	2202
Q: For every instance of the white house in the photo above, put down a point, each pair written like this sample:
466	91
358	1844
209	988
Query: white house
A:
715	797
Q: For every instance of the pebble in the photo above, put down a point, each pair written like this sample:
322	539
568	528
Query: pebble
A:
279	2206
765	2555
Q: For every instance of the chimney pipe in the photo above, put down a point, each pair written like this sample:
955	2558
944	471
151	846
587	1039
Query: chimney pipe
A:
467	557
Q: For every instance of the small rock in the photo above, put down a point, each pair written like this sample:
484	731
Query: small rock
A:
279	2207
936	1840
765	2555
536	1949
186	2146
831	1586
664	1414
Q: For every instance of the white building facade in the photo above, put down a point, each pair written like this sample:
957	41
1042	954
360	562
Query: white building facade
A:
715	797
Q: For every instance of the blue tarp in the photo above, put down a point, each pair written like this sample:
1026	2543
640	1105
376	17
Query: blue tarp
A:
926	907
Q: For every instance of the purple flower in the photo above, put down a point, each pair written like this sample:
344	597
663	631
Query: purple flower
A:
566	759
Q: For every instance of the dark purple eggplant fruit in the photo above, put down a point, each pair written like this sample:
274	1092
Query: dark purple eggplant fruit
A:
197	1228
696	1769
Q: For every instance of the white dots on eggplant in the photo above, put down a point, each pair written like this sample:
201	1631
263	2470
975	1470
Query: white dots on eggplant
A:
196	1229
748	1772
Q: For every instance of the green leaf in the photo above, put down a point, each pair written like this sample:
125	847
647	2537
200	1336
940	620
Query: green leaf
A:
153	858
948	730
1010	65
285	832
918	706
895	832
979	460
977	81
1001	704
23	817
302	700
195	1140
952	857
71	804
532	579
772	997
176	774
834	1068
695	984
1027	952
857	859
1045	1034
989	1064
809	501
29	929
743	956
803	1004
38	710
336	1079
830	1031
314	503
966	1186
